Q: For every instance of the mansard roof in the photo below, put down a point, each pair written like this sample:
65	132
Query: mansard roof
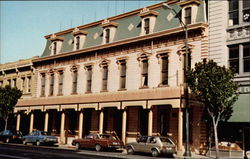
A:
128	27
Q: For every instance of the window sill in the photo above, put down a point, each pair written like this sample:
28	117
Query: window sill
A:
122	89
233	27
59	94
163	85
73	93
27	93
103	91
88	92
144	87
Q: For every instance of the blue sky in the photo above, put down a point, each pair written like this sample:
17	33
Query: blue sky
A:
25	23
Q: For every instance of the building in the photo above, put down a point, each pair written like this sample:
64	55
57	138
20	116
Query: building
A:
18	74
123	74
229	45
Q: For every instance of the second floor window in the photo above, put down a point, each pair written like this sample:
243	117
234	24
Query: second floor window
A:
14	82
246	57
105	78
234	58
123	75
28	84
146	26
74	88
43	85
22	83
144	82
51	84
233	12
188	15
77	43
164	70
246	11
89	78
60	83
107	36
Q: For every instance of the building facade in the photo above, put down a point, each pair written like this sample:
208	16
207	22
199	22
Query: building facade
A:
229	45
123	74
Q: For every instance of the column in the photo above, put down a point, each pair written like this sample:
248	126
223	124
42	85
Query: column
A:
80	124
101	122
62	134
180	130
150	122
31	121
124	125
46	121
18	122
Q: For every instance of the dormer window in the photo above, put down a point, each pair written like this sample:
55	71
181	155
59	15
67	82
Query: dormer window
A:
109	29
79	38
188	15
146	26
148	20
56	44
189	10
107	36
77	43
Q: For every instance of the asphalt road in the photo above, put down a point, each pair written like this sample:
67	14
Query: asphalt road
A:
19	151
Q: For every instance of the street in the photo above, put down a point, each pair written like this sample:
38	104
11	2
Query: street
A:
19	151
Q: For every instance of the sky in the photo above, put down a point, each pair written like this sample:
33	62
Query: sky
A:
25	23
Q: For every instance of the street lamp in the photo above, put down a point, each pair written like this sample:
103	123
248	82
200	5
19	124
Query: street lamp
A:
184	27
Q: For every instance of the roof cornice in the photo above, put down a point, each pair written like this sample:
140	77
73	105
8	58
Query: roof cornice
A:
122	42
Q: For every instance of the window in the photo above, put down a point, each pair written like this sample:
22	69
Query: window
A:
22	83
234	58
89	78
60	83
105	78
74	88
144	73
146	26
189	59
14	82
107	36
246	57
188	15
123	75
164	70
54	48
233	12
51	84
77	42
43	85
28	84
246	11
8	82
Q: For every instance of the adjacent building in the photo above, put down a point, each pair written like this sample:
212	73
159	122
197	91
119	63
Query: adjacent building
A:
229	45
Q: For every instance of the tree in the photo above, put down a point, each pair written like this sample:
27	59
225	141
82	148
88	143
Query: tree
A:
8	99
214	86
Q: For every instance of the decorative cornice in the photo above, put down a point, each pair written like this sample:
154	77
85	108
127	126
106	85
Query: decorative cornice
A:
187	2
146	12
55	38
77	31
122	42
108	23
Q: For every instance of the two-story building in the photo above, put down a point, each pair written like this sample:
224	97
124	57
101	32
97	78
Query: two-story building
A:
123	74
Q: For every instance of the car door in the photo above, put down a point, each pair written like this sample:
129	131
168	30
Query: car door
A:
151	142
141	143
86	142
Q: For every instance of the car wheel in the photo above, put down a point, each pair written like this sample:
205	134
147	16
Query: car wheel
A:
7	140
77	146
24	142
130	150
155	153
98	147
38	143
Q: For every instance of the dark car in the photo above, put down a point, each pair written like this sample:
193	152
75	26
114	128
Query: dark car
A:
99	142
10	136
155	145
39	137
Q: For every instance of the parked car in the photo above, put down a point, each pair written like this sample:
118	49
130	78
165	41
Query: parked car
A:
39	137
155	145
10	136
99	142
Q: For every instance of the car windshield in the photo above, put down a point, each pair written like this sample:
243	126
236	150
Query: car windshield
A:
166	140
107	137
